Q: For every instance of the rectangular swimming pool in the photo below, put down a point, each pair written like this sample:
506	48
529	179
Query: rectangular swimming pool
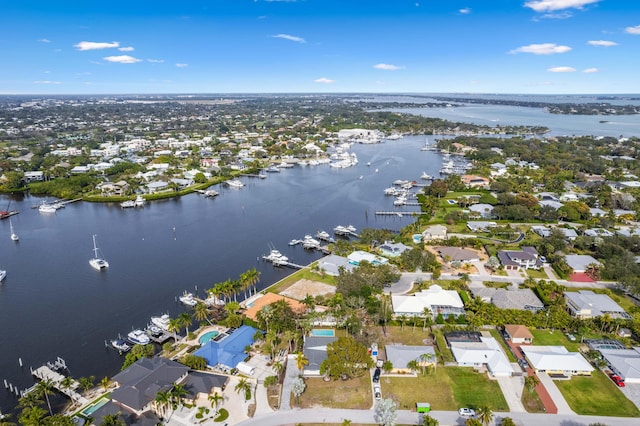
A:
87	412
322	332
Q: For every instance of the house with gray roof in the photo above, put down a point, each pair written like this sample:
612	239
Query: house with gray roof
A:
140	382
401	355
580	262
483	210
522	299
587	304
331	265
518	260
315	350
480	226
199	385
390	249
624	362
434	232
456	254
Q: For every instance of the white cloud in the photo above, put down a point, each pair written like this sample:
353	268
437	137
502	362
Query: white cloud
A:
182	65
465	11
44	40
155	61
551	5
387	67
542	49
46	82
603	43
122	59
561	69
633	30
591	70
324	80
92	45
290	37
126	49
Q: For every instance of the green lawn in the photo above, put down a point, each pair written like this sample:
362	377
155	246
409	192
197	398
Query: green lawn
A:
407	335
537	274
596	395
531	401
305	273
354	393
553	338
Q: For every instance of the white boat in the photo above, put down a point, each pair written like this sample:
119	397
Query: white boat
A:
210	193
162	321
138	337
323	235
426	176
128	204
188	299
273	169
294	242
277	258
46	208
234	183
120	345
14	236
310	243
3	274
97	262
139	201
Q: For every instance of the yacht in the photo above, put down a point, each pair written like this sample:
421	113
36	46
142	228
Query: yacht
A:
235	183
120	345
188	299
323	235
277	258
310	243
138	337
273	169
426	176
162	321
97	262
3	275
154	330
294	242
128	204
139	201
46	208
210	193
14	236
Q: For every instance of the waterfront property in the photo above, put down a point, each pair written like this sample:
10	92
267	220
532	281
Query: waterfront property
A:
267	299
315	350
437	300
227	349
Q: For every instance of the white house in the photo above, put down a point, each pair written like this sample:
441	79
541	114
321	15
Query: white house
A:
434	232
485	353
358	256
580	262
624	362
435	298
587	304
556	360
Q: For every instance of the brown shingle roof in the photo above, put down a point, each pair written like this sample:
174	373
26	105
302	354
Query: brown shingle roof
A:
270	298
518	331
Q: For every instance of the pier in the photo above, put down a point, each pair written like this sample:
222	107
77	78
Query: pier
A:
283	263
253	175
400	214
50	373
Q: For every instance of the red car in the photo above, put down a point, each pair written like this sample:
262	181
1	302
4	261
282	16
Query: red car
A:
617	380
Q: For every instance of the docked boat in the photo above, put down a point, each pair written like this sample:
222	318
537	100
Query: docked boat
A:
310	243
120	345
323	235
277	258
294	242
47	208
188	299
138	337
273	169
128	204
3	275
14	236
426	176
235	183
139	201
154	331
211	193
162	321
97	262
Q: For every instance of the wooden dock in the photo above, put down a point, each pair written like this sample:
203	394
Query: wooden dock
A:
56	380
400	214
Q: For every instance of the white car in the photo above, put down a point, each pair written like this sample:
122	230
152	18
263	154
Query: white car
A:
466	412
376	392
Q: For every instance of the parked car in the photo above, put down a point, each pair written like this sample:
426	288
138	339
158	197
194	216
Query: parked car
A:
617	379
376	375
377	393
467	412
523	362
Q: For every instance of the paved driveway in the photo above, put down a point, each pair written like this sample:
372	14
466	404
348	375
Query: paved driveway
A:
554	392
512	390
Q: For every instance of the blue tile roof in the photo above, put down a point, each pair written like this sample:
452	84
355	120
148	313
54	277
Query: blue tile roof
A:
230	350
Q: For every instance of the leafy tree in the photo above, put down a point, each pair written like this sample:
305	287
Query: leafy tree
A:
507	421
438	188
270	381
297	388
385	414
531	382
194	362
216	400
427	420
346	357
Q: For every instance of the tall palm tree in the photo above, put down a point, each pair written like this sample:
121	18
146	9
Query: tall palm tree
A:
185	319
252	277
289	336
413	365
216	399
201	312
112	420
216	291
177	393
243	387
427	314
429	358
485	415
278	367
174	326
45	388
301	361
161	402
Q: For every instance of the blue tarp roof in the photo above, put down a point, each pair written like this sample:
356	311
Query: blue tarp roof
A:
230	350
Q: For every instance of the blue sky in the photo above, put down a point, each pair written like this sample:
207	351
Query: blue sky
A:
276	46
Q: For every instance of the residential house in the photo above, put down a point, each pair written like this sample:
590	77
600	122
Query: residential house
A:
518	260
359	256
332	264
486	353
624	362
556	360
598	232
519	334
580	262
227	349
200	385
456	254
522	299
437	300
33	177
401	355
392	249
482	210
315	351
471	181
118	189
268	299
434	232
551	203
157	186
587	304
480	226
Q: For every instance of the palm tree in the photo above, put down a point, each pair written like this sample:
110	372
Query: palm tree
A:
67	382
429	358
243	386
485	415
216	291
185	319
174	326
278	367
86	383
413	365
289	336
45	388
105	382
216	399
177	393
531	382
402	319
301	360
112	420
162	402
30	400
201	312
426	312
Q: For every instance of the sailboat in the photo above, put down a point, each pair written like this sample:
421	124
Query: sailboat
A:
14	236
97	262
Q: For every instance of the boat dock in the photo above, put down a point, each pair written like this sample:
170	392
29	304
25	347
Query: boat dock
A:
283	263
400	214
259	176
50	373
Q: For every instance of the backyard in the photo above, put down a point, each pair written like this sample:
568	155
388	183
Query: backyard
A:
553	338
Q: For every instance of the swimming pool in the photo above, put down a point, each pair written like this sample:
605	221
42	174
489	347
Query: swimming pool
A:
207	336
87	412
322	332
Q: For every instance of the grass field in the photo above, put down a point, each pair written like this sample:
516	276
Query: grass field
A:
409	335
537	274
305	273
531	401
553	338
354	393
473	389
596	395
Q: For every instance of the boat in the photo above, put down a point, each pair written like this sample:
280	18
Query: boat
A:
138	337
8	213
294	242
211	193
139	201
323	235
46	208
310	243
14	236
368	163
273	169
188	299
234	183
277	258
97	262
128	204
162	321
120	345
3	275
426	176
154	330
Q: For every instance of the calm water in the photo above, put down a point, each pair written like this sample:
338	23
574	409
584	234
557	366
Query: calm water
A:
52	303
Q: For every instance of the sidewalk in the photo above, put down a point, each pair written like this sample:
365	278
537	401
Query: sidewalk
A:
291	373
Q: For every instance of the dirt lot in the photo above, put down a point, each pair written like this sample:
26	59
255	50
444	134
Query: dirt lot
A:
304	287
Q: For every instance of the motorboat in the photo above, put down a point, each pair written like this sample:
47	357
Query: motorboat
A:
351	229
120	345
310	243
154	330
211	193
3	274
47	208
14	236
138	337
277	258
188	299
139	201
162	321
426	176
273	169
294	242
97	262
128	204
235	183
323	235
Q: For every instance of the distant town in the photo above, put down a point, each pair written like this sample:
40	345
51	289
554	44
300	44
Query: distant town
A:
512	296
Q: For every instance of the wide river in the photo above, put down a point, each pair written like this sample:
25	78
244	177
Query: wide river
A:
52	303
